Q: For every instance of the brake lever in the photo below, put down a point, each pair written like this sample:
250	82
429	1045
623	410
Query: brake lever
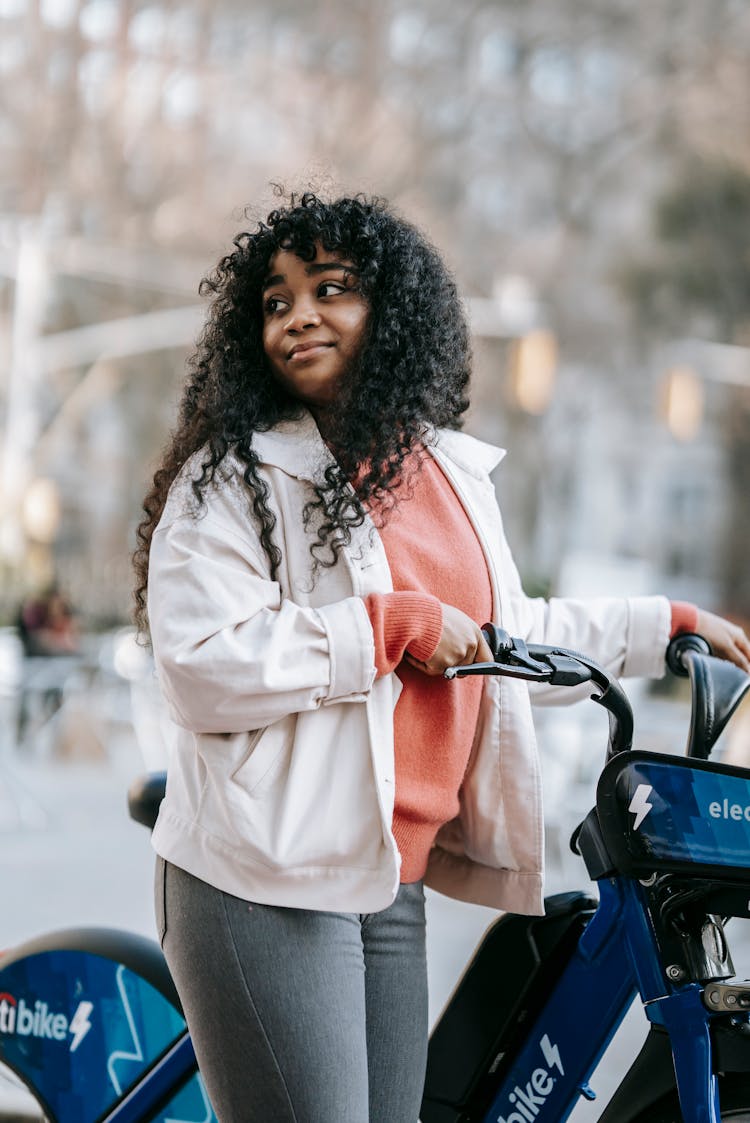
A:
521	657
547	664
507	670
558	666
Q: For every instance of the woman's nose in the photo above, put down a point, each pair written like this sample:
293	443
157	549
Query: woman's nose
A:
303	314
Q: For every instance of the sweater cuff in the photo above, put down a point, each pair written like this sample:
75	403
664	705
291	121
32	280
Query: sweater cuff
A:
402	622
684	618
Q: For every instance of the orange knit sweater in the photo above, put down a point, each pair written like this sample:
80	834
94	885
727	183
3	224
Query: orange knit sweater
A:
435	558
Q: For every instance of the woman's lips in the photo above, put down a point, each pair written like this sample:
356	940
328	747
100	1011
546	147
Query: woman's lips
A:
307	351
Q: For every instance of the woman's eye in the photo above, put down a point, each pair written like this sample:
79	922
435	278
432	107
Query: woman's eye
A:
330	288
273	305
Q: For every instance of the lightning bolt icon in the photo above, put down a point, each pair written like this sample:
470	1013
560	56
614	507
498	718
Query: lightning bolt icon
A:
551	1054
80	1024
639	804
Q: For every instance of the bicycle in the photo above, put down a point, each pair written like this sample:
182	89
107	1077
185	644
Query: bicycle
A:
668	844
91	1022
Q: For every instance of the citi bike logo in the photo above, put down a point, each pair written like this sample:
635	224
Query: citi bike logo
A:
22	1020
528	1101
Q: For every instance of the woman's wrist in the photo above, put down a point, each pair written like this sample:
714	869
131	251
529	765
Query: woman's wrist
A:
684	618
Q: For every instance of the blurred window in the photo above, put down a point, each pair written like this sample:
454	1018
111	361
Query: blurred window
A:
183	33
12	53
554	76
499	56
59	66
181	98
143	90
94	71
492	197
407	33
577	93
148	29
11	9
413	39
99	19
58	13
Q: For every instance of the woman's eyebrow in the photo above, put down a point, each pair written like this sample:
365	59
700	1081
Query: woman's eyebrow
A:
312	270
322	266
277	279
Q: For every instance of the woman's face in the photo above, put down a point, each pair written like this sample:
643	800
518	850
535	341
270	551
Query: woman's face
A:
314	320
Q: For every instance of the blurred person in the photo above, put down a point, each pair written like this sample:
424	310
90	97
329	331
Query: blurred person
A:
47	625
321	542
48	629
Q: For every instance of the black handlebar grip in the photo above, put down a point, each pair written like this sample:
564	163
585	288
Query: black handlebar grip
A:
687	641
497	639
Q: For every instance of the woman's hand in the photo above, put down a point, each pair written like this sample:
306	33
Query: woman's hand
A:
727	640
461	642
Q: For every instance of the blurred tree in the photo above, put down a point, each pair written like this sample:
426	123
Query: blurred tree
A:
698	279
701	254
530	140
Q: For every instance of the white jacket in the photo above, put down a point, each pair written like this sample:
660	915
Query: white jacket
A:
281	786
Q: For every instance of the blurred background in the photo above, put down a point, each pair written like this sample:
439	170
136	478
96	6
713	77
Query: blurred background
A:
585	168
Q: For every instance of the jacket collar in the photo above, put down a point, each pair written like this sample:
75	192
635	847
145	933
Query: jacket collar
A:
474	456
297	448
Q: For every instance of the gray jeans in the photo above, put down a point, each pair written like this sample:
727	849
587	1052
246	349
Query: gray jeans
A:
299	1016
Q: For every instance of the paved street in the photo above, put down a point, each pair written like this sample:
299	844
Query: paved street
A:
69	856
78	860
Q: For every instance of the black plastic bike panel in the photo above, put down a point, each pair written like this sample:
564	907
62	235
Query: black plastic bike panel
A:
505	983
666	814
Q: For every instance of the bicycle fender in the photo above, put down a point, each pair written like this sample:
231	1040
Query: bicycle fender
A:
731	1046
650	1077
86	1019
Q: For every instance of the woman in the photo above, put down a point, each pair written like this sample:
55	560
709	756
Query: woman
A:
320	544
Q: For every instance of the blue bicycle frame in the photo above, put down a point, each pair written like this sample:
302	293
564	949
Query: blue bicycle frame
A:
616	958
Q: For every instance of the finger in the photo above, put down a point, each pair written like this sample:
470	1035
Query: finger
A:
742	651
732	648
425	668
484	651
743	643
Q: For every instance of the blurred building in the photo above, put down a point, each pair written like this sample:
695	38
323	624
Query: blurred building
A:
532	141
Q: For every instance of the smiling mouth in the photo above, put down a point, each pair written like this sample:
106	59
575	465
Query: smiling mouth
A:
307	350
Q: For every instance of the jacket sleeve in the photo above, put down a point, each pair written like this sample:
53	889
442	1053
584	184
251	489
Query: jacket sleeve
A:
627	635
230	653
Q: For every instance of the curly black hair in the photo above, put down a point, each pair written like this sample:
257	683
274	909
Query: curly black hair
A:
411	374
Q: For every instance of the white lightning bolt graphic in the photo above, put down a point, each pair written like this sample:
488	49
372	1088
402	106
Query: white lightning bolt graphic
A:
137	1054
120	1054
639	804
80	1024
551	1054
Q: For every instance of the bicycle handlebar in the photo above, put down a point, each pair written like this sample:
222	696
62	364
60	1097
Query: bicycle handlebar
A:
558	666
718	686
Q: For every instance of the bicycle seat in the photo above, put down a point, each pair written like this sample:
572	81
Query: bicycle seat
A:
144	798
